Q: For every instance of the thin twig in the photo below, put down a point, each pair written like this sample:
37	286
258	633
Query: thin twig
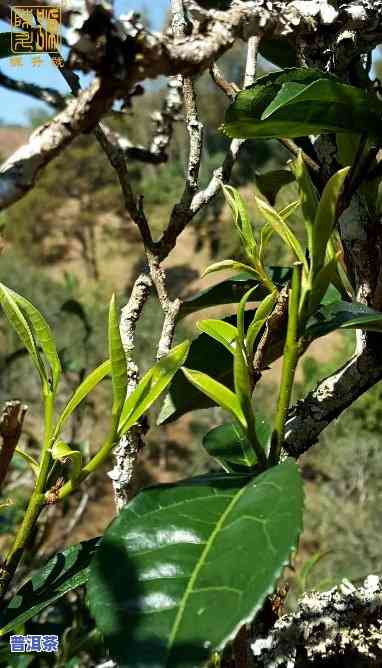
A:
293	148
229	88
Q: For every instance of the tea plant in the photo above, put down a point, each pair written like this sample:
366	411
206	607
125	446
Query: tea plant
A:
185	566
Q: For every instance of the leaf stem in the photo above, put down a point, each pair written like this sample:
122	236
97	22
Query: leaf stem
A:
96	461
290	359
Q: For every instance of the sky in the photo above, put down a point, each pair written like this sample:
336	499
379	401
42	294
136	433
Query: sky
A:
15	107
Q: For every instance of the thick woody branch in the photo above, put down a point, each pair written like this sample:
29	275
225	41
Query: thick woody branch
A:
186	209
136	54
340	627
330	398
18	174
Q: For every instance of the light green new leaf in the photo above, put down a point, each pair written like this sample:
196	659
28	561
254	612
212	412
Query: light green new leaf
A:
262	312
219	330
220	394
326	217
231	264
241	316
265	236
118	361
62	452
153	383
42	334
242	220
243	393
308	196
289	209
19	323
326	275
281	228
82	391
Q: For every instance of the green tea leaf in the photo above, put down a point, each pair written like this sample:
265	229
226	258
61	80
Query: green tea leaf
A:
282	229
65	571
22	329
243	393
325	276
242	221
326	218
42	334
118	361
63	452
153	383
193	562
241	315
299	102
82	391
223	265
343	315
219	330
220	394
262	312
228	443
231	290
308	197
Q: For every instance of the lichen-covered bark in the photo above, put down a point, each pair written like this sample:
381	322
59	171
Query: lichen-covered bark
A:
339	628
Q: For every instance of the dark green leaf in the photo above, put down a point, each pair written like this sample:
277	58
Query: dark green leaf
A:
65	571
280	51
231	290
299	102
184	566
343	315
227	443
270	183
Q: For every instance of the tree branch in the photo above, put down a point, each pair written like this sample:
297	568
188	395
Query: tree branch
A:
131	53
340	627
126	452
